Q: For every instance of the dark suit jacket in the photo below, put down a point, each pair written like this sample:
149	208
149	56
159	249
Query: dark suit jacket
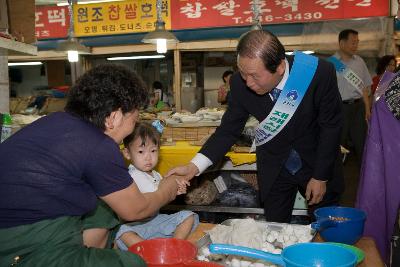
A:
314	130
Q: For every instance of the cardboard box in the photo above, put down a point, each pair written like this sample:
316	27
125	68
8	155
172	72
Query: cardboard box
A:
21	14
186	133
3	16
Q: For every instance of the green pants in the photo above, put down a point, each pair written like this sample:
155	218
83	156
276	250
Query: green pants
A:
57	242
102	217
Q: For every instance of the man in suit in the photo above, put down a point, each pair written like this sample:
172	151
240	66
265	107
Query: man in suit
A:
310	140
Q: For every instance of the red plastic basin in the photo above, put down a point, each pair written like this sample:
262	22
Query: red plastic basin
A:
165	251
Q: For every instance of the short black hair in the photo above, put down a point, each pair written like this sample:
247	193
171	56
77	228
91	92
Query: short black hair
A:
264	45
104	89
226	74
383	62
144	131
344	35
157	85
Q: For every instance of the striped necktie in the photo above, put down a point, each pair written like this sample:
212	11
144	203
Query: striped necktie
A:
275	94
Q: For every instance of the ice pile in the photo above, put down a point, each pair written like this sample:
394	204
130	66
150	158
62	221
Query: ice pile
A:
266	236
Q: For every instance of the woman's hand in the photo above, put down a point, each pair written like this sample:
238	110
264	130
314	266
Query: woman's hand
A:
168	187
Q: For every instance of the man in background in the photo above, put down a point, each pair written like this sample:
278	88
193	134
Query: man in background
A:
354	82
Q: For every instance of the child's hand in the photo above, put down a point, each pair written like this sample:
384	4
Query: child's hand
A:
181	190
182	185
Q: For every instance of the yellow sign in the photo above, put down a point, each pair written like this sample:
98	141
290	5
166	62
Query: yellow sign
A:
123	17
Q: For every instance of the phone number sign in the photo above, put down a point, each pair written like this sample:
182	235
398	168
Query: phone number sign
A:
216	13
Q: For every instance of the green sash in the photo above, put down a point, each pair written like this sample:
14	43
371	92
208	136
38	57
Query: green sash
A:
57	242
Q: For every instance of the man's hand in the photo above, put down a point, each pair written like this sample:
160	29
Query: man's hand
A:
367	103
315	191
186	172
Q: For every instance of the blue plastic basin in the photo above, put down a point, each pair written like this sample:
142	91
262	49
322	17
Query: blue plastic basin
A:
318	254
347	231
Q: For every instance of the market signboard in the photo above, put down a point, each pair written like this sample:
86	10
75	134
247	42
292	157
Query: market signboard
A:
118	17
190	14
51	22
134	16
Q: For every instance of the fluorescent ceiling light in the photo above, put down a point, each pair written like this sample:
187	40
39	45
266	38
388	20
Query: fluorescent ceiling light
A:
135	57
73	56
89	2
308	52
161	46
25	63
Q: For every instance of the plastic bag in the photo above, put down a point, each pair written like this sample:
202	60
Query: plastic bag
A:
239	194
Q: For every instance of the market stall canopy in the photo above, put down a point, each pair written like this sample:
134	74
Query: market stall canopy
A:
304	26
375	36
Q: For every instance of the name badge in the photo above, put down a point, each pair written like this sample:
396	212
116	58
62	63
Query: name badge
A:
347	73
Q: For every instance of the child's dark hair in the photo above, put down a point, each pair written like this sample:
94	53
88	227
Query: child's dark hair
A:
157	85
143	131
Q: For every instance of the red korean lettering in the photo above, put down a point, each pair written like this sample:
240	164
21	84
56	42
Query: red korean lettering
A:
130	11
113	12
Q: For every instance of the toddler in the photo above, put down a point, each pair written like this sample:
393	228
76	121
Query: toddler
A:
141	148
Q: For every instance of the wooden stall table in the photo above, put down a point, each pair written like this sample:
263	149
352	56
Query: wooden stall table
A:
200	231
366	244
